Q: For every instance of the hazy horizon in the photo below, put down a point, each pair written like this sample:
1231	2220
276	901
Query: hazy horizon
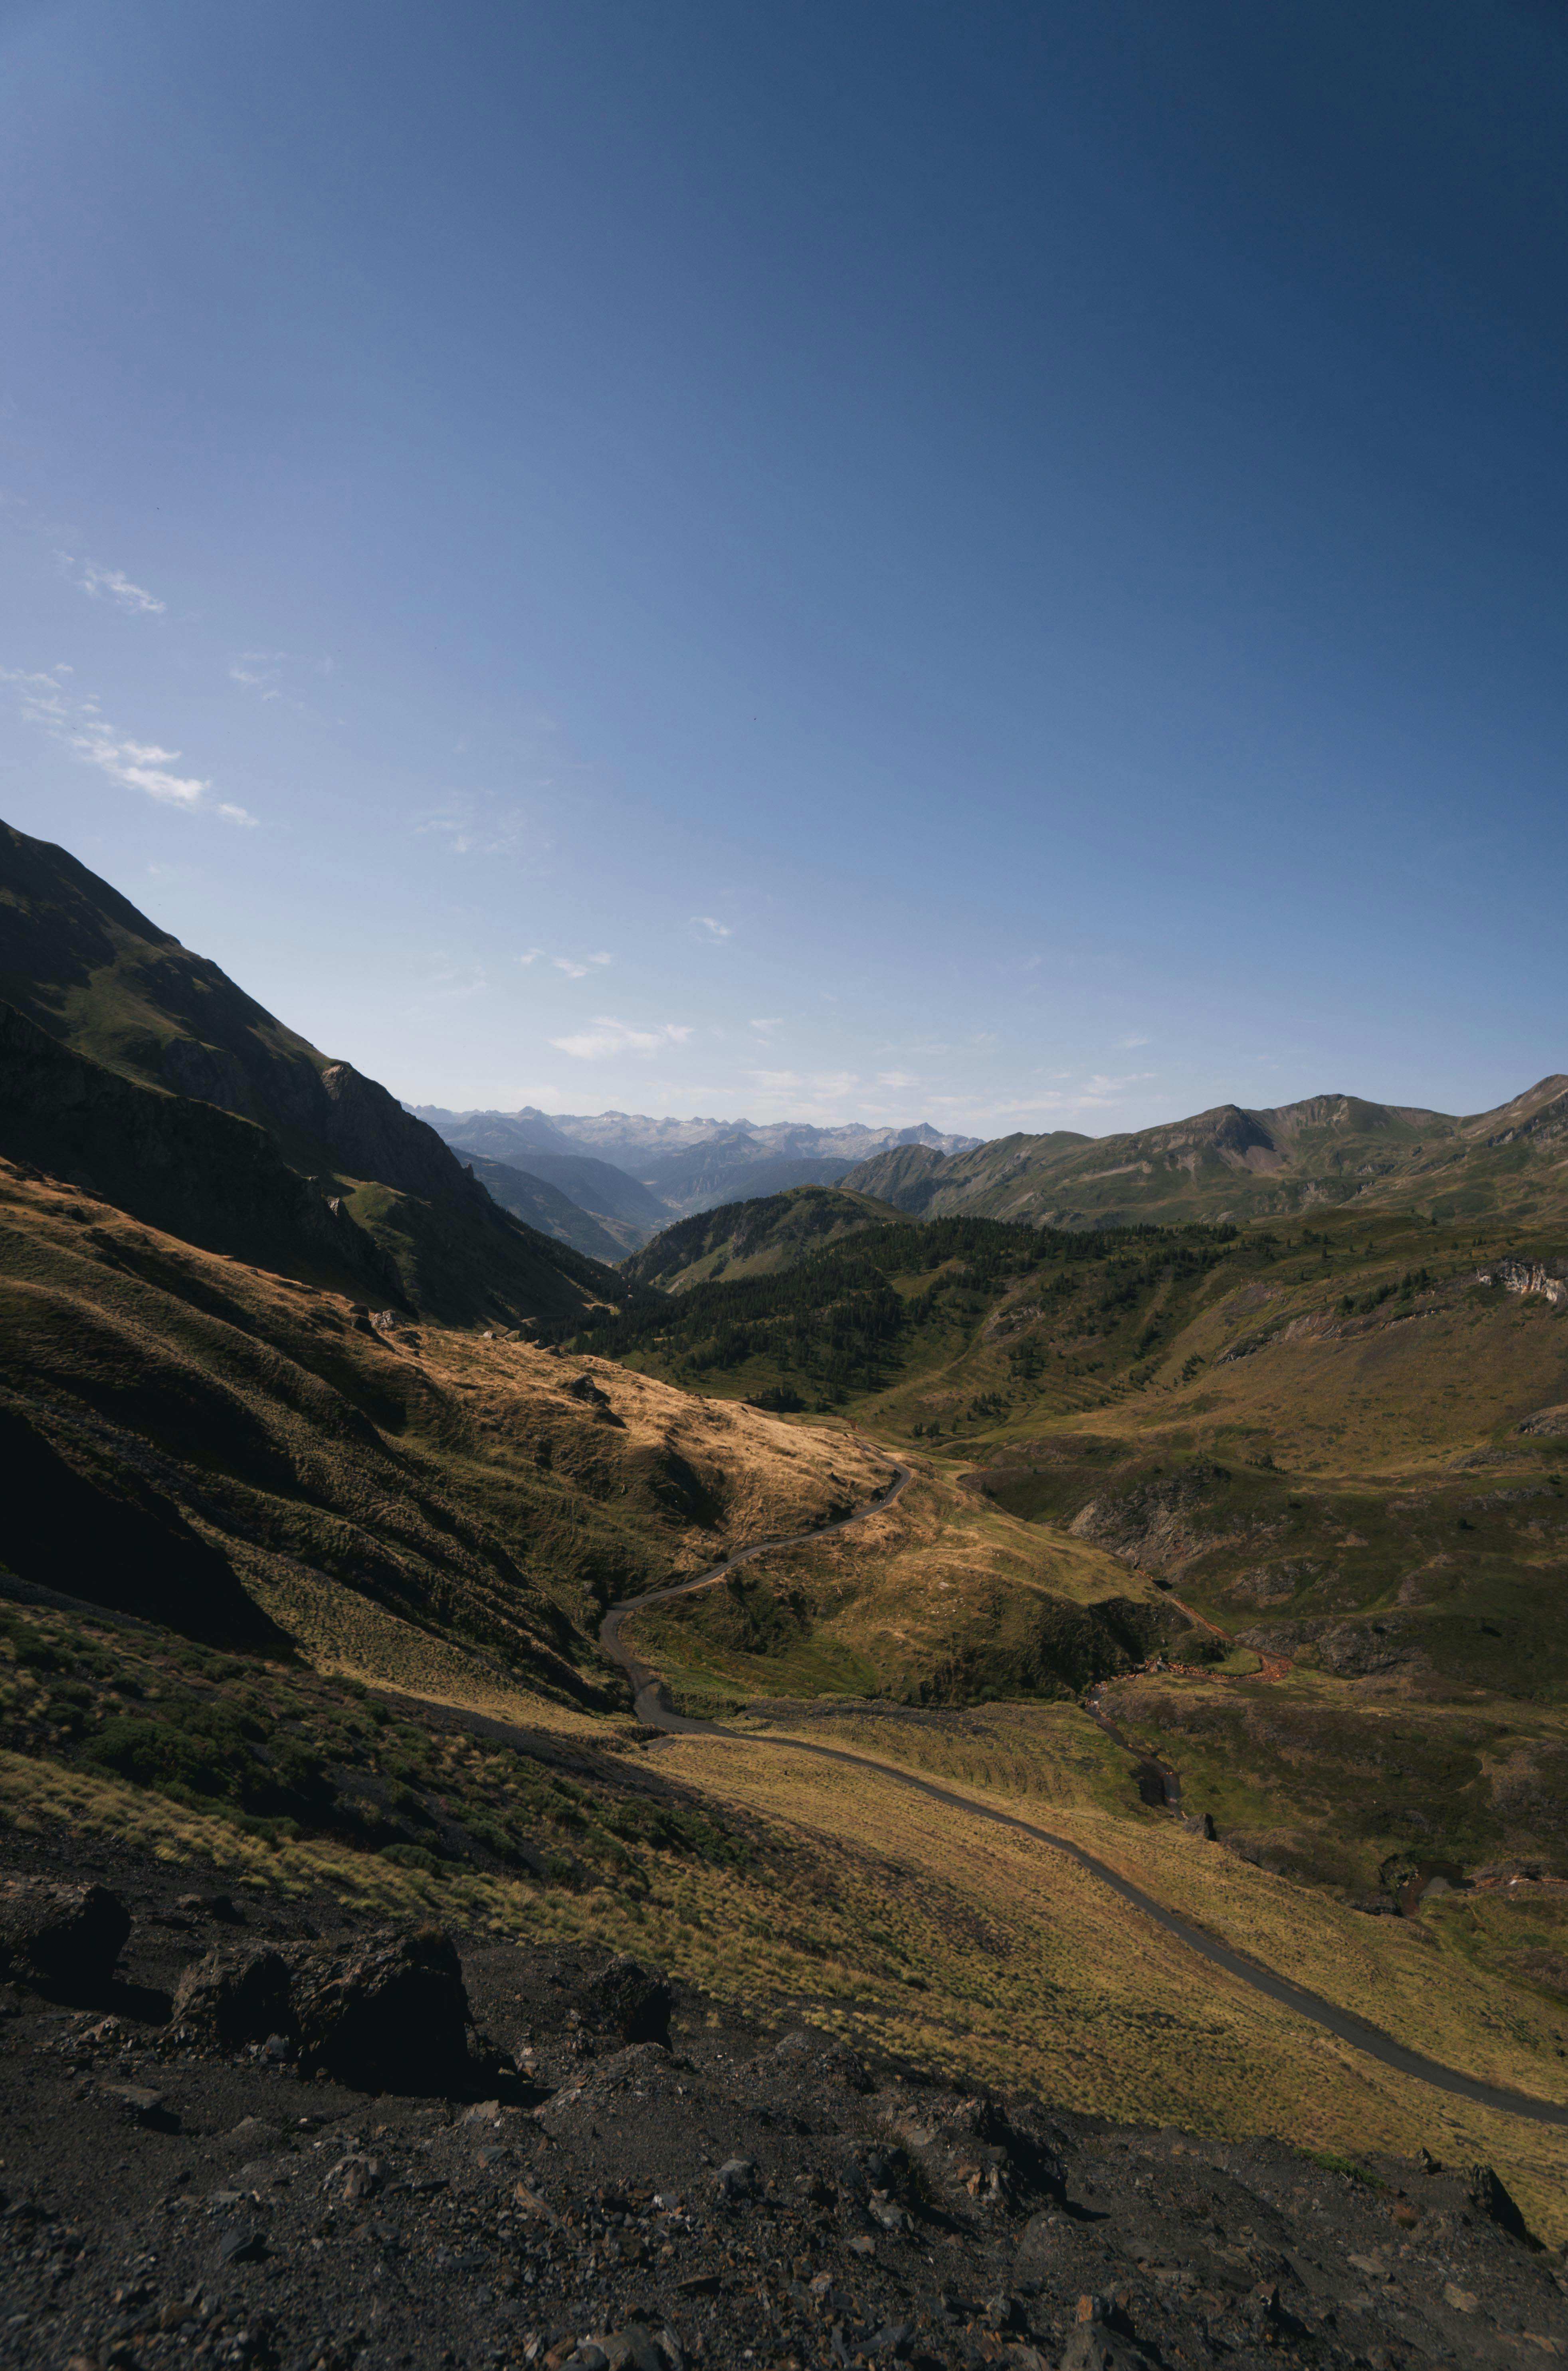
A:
1002	568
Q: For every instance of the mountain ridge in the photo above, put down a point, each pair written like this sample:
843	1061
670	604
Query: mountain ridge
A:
1231	1162
675	1167
158	1040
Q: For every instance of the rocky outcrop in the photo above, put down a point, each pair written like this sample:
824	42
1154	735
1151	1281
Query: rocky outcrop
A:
632	1999
391	2015
1547	1277
232	1997
65	1937
1151	1526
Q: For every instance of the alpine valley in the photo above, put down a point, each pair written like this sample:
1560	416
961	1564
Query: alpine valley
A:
630	1742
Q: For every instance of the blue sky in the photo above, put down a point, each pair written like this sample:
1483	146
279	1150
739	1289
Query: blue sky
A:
1003	564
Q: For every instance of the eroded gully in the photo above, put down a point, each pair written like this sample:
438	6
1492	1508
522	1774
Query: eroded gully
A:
655	1711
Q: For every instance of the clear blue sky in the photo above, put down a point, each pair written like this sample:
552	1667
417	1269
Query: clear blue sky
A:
996	564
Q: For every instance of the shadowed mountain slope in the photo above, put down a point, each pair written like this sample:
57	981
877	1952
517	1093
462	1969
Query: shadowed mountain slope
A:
1229	1164
185	1084
543	1205
524	1140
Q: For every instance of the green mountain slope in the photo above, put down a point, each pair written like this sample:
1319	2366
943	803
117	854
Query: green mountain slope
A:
102	980
1229	1164
758	1238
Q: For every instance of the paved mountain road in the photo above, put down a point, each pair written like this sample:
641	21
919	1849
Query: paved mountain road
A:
655	1711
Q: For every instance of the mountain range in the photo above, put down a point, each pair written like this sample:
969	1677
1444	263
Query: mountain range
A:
1230	1163
622	1166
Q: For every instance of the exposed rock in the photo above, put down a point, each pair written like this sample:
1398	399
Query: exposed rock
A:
634	1999
1274	1584
232	1999
1548	1423
1490	2198
391	2015
737	2178
1151	1526
67	1937
1100	2341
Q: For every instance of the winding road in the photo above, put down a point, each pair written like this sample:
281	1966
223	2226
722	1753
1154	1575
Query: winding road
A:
655	1711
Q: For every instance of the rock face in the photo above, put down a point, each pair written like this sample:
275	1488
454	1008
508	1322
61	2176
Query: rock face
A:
66	1937
232	1999
756	2198
1152	1526
390	2016
633	1999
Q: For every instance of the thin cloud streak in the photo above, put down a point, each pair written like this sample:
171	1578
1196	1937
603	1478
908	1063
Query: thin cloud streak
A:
608	1037
96	581
42	700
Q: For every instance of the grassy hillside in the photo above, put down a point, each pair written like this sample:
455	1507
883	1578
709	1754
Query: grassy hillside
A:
758	1238
892	1310
106	985
439	1517
1344	1447
203	1442
1229	1164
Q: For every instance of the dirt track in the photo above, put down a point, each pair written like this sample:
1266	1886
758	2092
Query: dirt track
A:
655	1711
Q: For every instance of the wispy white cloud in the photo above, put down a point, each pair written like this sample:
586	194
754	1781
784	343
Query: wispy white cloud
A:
715	929
575	970
98	581
262	672
765	1026
477	823
258	671
79	726
457	983
532	957
1126	1044
607	1036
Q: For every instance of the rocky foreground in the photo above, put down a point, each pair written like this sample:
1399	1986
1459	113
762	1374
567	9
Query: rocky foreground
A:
245	2133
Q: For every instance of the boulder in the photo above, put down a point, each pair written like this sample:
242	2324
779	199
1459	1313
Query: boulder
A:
389	2014
65	1936
634	1999
1489	2196
230	1998
1101	2339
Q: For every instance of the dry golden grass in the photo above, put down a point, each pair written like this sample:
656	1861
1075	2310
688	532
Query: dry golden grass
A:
938	1575
1028	1970
429	1482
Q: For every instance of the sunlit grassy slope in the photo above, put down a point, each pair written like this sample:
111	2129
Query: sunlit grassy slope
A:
211	1445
